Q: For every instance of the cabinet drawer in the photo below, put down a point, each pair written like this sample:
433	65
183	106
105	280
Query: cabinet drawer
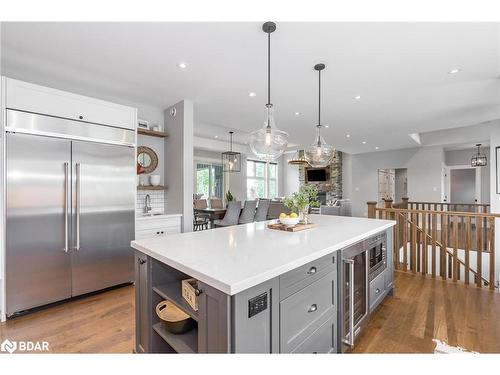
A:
303	312
321	341
140	234
300	277
28	97
158	223
377	290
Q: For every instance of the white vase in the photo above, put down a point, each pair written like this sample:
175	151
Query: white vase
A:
154	179
304	215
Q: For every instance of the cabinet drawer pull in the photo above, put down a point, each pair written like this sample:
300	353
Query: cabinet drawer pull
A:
313	308
197	291
377	291
312	270
141	261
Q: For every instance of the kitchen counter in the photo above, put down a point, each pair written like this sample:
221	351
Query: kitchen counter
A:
233	259
261	290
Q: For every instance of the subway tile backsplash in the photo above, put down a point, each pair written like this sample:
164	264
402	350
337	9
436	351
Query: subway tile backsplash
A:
157	201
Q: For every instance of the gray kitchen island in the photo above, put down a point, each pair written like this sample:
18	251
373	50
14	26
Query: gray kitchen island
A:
265	291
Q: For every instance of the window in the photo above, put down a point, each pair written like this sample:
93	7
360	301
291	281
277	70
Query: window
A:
262	179
209	180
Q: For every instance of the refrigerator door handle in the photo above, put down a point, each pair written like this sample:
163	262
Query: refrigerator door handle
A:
350	340
66	206
78	195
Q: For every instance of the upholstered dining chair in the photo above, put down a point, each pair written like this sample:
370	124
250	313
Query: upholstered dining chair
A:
200	204
262	210
248	213
216	203
232	215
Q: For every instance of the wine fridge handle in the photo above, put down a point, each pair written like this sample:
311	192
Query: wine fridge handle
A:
350	340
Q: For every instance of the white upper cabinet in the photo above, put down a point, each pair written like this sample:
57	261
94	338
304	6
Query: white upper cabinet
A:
29	97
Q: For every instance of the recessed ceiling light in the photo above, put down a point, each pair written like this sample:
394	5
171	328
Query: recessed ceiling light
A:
357	97
182	65
327	126
216	136
348	136
297	113
364	142
454	71
376	147
252	94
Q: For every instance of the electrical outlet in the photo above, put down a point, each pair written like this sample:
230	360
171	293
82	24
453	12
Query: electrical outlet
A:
257	304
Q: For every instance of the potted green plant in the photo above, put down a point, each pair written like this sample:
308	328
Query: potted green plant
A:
300	201
229	196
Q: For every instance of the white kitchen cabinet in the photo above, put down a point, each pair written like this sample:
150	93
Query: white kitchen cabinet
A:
29	97
155	226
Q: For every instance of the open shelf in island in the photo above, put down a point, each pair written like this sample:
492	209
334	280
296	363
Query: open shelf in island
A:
172	292
185	343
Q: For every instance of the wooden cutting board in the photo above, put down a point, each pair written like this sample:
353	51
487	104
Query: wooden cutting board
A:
296	228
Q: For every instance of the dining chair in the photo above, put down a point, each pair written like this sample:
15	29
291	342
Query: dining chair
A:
232	215
262	210
248	213
216	203
275	209
200	204
200	221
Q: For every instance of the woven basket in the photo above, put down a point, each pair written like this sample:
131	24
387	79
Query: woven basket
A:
174	319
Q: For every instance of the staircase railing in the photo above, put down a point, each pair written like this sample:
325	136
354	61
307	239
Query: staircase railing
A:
443	206
449	244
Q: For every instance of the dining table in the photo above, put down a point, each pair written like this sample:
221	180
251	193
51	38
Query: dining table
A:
212	213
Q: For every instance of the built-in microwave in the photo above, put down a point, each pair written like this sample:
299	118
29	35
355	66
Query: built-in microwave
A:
377	255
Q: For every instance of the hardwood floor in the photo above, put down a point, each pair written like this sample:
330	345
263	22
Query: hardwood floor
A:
421	310
100	323
424	309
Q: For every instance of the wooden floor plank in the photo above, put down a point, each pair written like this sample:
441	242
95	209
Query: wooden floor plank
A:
424	309
421	310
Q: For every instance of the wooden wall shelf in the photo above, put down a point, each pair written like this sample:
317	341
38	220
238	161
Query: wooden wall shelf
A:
152	133
151	187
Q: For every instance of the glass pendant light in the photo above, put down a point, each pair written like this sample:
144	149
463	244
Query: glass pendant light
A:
298	159
319	154
268	143
478	159
231	161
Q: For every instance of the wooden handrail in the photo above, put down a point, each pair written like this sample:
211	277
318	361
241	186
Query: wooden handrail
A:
438	243
447	213
450	203
416	233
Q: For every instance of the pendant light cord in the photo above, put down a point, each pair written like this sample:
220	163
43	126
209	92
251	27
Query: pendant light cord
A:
319	98
268	68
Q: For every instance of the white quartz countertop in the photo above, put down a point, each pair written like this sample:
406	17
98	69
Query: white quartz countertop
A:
233	259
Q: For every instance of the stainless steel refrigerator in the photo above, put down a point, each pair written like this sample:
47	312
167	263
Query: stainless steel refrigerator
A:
70	197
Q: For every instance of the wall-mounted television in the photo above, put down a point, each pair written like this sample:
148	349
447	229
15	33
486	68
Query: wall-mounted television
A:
316	175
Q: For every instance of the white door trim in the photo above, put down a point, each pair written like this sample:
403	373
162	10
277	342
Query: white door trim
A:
448	184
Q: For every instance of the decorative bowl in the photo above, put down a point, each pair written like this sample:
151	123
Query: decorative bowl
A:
289	221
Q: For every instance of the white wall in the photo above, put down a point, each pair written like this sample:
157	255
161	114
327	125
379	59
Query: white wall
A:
462	157
179	162
290	176
494	197
2	159
424	169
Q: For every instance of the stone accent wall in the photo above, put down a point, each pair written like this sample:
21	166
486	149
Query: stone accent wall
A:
334	186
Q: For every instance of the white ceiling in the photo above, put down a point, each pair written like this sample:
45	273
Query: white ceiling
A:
400	70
